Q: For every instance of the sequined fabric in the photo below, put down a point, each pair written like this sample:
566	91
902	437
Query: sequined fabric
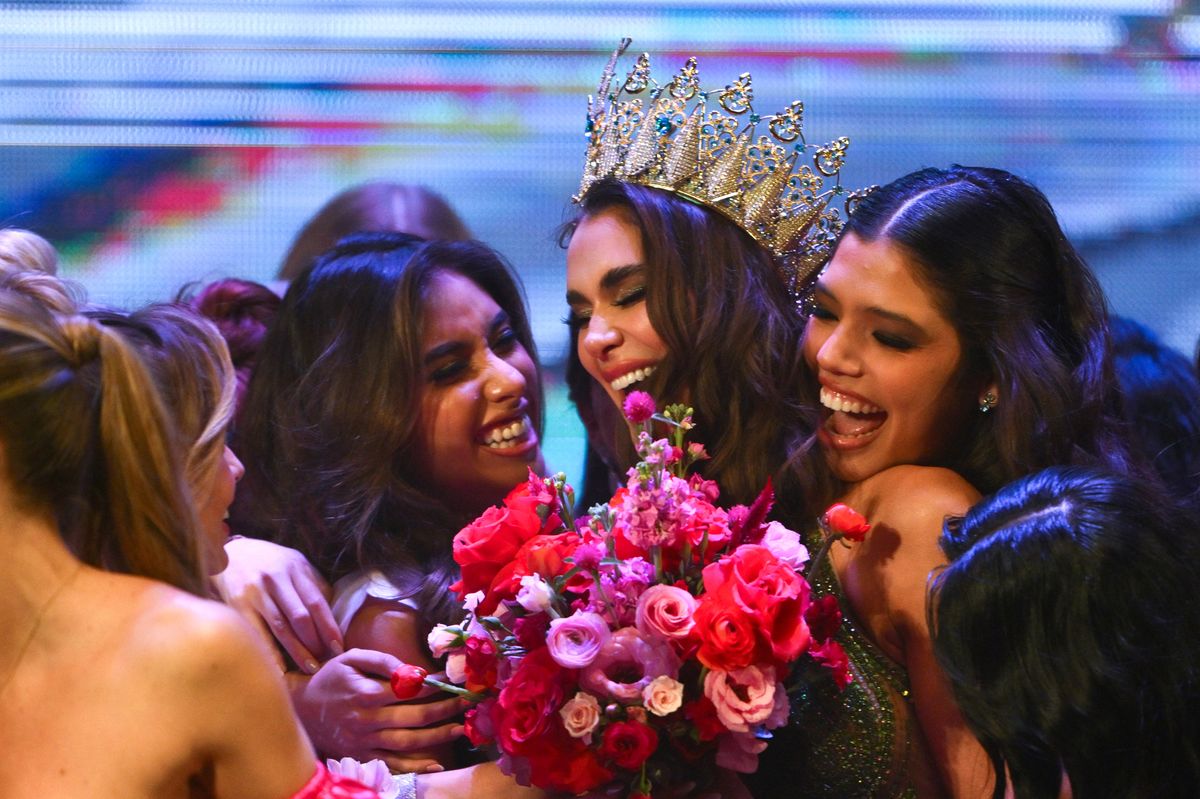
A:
852	743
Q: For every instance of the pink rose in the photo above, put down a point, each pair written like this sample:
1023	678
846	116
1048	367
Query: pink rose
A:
666	611
743	698
580	716
575	641
663	695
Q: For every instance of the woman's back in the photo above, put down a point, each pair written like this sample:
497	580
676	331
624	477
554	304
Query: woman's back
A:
145	691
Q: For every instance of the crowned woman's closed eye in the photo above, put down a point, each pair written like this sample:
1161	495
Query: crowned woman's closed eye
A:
606	292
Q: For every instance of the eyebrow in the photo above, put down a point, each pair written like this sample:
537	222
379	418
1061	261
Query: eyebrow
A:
612	278
875	310
450	347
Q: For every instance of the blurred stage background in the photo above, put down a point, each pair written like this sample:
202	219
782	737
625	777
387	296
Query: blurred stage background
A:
160	142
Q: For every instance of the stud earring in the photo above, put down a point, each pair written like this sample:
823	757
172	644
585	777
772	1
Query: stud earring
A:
988	402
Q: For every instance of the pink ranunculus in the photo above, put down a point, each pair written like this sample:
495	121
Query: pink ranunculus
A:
580	715
575	641
663	696
626	664
785	545
666	611
743	698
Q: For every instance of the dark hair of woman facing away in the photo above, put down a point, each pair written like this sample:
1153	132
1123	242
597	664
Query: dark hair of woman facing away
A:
1068	628
1028	310
732	332
330	426
1160	397
86	437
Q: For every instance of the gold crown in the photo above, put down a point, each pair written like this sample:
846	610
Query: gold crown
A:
701	155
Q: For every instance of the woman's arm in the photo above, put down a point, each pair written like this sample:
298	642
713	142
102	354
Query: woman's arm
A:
914	502
232	702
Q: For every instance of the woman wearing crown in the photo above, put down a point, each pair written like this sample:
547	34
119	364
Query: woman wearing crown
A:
955	342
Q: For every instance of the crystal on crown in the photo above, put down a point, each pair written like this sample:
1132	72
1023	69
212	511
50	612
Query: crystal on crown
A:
672	139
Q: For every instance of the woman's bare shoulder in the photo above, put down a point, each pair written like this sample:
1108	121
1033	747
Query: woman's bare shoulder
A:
916	496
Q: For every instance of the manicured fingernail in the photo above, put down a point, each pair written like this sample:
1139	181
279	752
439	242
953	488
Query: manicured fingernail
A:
311	666
434	769
337	648
458	729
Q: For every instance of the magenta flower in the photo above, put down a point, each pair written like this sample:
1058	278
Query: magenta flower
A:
626	664
639	407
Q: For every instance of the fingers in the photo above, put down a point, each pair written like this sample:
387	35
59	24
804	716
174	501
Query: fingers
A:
313	591
426	713
282	629
408	765
296	603
419	740
370	662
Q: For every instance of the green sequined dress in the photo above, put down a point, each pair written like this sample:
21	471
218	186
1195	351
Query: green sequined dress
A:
858	742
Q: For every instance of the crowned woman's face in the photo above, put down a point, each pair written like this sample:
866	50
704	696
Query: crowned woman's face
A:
478	397
606	291
888	361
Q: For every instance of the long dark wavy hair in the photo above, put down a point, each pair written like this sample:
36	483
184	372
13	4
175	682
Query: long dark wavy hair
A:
732	332
1028	311
1067	626
329	429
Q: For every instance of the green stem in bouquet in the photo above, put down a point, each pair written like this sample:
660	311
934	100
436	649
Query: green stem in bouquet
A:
457	690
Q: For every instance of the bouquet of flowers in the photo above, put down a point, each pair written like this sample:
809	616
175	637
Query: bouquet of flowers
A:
654	634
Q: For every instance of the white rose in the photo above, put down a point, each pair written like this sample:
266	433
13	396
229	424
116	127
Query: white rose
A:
456	668
443	637
535	594
663	695
785	545
580	716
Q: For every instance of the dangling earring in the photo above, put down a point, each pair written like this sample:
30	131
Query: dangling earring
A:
988	402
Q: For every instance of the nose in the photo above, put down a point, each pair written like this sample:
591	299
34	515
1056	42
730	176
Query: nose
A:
599	338
236	467
838	355
504	381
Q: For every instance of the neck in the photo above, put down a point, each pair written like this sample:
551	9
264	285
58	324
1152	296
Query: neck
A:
35	564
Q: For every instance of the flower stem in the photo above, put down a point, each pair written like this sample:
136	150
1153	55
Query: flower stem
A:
450	688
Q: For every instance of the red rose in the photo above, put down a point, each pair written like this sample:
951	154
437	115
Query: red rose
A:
847	521
567	765
530	631
824	617
771	593
477	724
481	664
702	713
528	705
486	545
727	634
407	680
628	744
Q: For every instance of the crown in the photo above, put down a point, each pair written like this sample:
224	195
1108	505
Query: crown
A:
673	140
